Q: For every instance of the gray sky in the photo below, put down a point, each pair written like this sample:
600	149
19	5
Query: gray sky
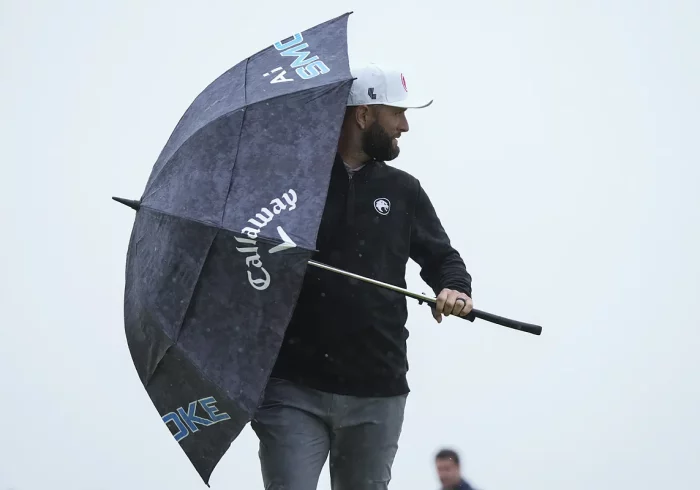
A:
559	154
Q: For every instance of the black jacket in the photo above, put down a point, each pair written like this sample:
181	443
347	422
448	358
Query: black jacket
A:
463	485
347	336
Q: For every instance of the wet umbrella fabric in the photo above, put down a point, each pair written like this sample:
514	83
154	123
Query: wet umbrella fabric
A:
223	233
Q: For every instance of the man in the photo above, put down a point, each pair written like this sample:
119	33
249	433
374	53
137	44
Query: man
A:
339	384
449	471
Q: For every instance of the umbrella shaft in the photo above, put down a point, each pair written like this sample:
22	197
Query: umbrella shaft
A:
403	291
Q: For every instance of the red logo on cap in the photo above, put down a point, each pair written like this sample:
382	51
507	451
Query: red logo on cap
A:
403	82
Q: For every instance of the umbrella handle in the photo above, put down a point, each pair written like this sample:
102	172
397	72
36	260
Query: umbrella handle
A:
422	298
508	322
490	317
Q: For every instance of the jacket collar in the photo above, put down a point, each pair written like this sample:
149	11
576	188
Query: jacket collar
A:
339	166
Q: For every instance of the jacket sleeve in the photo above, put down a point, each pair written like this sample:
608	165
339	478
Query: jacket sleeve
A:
441	265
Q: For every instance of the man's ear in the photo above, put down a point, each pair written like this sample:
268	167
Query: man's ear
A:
363	116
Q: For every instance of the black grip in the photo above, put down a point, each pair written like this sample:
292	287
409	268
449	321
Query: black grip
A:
500	320
506	322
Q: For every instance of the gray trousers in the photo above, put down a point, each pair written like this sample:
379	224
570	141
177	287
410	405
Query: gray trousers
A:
299	428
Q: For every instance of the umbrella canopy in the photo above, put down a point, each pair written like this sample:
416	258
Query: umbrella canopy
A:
223	233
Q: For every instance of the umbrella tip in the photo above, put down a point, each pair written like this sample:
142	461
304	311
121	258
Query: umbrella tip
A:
135	205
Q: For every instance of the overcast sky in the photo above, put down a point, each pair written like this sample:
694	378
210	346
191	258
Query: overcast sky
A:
561	153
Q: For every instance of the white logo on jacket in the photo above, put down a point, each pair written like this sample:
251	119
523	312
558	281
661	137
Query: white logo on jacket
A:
382	206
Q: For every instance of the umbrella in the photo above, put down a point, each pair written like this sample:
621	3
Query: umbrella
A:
223	232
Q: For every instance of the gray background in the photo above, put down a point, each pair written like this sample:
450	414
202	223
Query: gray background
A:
561	153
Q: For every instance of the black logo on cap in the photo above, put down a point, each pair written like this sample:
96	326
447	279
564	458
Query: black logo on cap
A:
370	92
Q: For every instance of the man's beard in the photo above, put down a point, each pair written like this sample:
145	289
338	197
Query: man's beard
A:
378	144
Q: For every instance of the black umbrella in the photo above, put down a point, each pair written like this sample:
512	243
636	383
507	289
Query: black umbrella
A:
224	232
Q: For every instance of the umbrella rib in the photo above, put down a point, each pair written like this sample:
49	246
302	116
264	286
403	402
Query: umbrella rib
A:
238	146
263	239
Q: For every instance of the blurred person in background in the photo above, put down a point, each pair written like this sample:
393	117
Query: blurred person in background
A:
449	471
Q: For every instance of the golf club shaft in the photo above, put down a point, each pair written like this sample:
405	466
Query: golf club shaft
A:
489	317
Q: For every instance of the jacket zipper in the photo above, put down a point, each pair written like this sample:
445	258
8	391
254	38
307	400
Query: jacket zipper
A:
350	202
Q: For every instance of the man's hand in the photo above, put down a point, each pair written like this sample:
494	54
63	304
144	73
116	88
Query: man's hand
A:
451	302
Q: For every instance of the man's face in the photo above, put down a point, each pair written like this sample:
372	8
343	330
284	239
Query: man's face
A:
448	472
380	139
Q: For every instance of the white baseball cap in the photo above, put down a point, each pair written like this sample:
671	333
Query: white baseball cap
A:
376	85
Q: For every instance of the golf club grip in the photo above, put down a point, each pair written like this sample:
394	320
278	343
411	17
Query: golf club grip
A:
506	322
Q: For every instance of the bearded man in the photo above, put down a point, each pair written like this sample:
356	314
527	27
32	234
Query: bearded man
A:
339	387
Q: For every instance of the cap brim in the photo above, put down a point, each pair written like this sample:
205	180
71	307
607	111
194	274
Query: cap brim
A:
411	103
